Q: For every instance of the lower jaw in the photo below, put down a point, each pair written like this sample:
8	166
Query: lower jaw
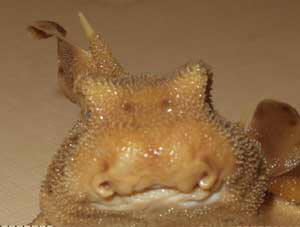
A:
215	197
162	198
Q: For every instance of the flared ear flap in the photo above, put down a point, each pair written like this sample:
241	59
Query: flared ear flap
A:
277	126
286	187
73	61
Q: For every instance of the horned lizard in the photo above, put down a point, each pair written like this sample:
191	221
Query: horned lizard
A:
151	150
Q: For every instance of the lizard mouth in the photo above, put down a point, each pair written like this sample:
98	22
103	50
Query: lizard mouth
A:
160	197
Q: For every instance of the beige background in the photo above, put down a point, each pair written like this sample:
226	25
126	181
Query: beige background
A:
253	46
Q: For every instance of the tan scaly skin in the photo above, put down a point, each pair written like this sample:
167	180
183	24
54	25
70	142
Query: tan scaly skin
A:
151	150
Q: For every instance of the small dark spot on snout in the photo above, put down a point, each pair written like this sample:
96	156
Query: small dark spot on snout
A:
128	107
166	105
104	166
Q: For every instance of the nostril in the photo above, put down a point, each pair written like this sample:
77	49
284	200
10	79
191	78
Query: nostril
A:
105	185
105	189
207	180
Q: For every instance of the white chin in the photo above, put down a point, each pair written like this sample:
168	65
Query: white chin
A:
157	198
213	198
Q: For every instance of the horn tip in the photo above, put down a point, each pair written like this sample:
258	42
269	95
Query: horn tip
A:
89	32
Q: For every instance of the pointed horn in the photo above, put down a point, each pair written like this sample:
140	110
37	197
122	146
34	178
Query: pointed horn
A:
101	53
87	28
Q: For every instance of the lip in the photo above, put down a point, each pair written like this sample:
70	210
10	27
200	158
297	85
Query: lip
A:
212	198
155	198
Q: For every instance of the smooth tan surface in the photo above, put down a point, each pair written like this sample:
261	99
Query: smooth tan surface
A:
252	45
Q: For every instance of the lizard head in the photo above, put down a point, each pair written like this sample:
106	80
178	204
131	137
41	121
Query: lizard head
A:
145	134
147	149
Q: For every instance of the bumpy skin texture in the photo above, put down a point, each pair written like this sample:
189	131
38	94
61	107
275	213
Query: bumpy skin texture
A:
151	150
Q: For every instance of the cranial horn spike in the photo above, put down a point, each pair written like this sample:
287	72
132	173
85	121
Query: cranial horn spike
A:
100	51
89	31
